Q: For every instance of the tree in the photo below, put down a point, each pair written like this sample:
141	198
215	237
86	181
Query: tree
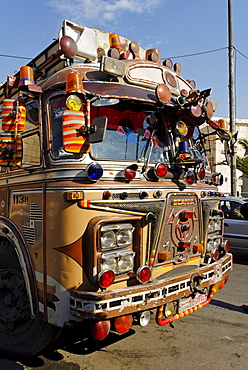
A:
242	163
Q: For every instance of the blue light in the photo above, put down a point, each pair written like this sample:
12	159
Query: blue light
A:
94	171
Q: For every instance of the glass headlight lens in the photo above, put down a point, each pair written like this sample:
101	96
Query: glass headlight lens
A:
217	243
210	245
109	263
125	262
119	262
124	236
218	224
113	236
211	226
108	239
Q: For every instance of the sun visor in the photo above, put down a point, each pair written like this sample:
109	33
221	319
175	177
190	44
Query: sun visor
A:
113	90
84	37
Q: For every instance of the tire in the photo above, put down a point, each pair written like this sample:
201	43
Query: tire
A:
20	334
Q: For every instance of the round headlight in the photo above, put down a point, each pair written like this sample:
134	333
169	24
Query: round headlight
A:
217	243
108	239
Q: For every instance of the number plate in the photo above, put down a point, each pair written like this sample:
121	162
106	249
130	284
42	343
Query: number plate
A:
187	303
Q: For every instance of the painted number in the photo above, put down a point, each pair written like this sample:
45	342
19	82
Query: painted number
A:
20	198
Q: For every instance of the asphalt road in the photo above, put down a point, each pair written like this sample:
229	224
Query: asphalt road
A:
215	337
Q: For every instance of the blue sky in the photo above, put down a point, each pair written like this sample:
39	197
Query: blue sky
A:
177	28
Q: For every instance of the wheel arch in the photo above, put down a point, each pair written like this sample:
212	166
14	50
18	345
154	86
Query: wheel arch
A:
9	231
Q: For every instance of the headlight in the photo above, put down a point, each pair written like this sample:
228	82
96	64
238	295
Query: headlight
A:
217	242
119	262
210	245
116	236
108	239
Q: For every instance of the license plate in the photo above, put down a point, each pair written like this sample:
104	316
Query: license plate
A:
187	303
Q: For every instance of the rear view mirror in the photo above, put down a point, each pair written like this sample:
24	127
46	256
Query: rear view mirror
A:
99	126
13	115
10	150
74	141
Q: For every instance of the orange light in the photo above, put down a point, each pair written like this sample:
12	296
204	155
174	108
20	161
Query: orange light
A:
114	41
26	76
222	122
198	248
74	83
123	323
164	255
74	195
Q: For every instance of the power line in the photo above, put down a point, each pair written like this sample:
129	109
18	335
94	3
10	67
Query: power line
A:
14	56
200	53
241	53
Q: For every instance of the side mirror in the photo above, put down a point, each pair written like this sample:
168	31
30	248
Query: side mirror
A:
77	136
99	125
13	115
73	125
10	150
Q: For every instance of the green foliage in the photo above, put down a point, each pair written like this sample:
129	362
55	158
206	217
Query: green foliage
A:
242	163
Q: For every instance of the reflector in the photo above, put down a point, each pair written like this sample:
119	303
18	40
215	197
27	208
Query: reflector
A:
163	93
143	274
68	46
106	278
123	323
99	329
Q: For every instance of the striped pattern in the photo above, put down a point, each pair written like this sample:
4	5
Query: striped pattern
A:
10	158
73	141
13	116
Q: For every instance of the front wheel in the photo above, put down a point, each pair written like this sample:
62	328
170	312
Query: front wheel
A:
19	333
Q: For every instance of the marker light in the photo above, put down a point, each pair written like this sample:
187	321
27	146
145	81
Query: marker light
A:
160	170
170	79
114	41
129	174
163	93
143	274
73	102
99	330
143	195
190	177
74	83
144	318
169	309
222	122
181	129
26	76
94	171
123	323
216	254
177	68
196	110
226	245
153	55
210	109
217	179
107	194
201	173
168	63
183	147
68	46
106	278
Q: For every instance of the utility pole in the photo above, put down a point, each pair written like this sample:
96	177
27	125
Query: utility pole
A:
232	101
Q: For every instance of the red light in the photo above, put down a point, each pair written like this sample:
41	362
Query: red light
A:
201	173
216	254
187	214
144	274
196	110
161	170
184	245
68	46
129	174
106	278
227	245
123	323
106	194
190	177
99	330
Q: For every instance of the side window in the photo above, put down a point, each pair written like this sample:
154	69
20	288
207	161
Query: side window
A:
231	209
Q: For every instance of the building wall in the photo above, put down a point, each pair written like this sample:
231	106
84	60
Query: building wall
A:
217	156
